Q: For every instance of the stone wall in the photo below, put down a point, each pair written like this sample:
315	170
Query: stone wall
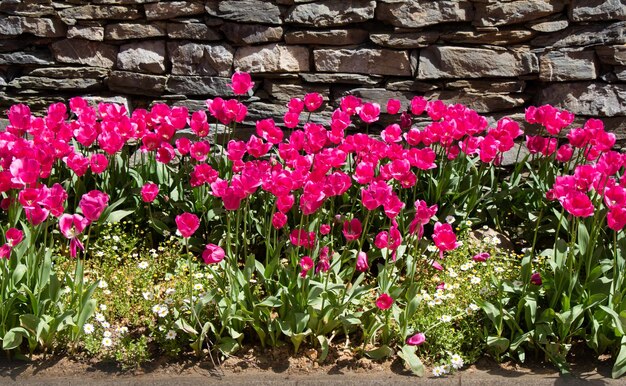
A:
495	56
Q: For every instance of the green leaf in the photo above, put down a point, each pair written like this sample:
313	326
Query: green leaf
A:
87	311
118	215
18	273
324	344
271	301
380	353
619	368
583	238
412	360
182	325
13	338
617	321
228	345
498	344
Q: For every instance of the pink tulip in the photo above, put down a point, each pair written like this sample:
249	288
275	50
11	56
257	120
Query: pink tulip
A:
416	339
279	220
361	262
393	106
302	238
444	238
306	263
480	257
369	112
98	163
93	204
14	236
535	278
241	83
384	302
313	101
187	224
149	192
352	229
5	251
71	226
213	254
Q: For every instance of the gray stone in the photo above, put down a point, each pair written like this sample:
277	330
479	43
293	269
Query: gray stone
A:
134	83
614	55
332	37
84	52
363	61
601	10
549	26
97	12
585	35
39	57
405	40
620	73
199	85
11	26
171	9
272	58
27	8
585	98
38	83
86	32
43	27
251	33
499	38
193	31
318	77
200	59
70	72
501	13
146	56
283	91
504	86
421	13
410	85
123	31
459	62
481	102
246	11
331	13
560	65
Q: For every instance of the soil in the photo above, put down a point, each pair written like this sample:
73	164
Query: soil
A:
279	364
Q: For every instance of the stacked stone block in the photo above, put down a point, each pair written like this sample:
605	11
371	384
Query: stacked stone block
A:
495	56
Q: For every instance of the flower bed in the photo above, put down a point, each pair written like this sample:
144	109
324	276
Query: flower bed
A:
307	235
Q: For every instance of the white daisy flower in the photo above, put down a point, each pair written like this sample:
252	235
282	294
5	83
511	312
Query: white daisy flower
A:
446	318
103	307
107	342
100	317
88	328
171	335
147	295
450	219
438	371
142	265
456	361
122	330
107	334
103	284
105	324
474	280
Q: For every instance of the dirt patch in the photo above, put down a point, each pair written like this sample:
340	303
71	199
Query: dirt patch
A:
280	363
